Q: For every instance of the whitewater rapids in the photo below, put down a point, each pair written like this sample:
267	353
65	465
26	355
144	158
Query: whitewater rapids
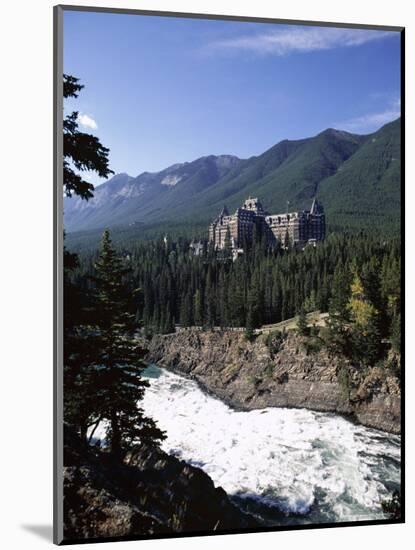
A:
289	466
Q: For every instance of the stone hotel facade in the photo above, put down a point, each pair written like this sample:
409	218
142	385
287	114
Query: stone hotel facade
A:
300	228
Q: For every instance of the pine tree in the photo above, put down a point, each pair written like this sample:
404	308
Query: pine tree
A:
302	322
371	347
395	335
210	303
249	325
338	335
168	324
198	308
340	293
81	151
236	299
117	377
254	307
186	311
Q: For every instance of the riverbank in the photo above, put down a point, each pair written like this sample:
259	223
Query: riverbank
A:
261	373
150	494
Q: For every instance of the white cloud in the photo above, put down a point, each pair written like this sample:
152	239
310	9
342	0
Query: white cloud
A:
300	40
372	121
87	121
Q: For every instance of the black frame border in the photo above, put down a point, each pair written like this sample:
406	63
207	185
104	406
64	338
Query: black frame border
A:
58	37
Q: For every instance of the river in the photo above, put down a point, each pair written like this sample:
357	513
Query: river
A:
289	466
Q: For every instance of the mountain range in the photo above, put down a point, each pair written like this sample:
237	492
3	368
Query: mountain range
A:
357	179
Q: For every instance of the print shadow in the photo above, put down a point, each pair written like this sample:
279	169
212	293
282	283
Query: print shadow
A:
44	532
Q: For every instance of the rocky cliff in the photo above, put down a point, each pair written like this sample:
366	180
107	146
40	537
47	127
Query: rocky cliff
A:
284	372
152	493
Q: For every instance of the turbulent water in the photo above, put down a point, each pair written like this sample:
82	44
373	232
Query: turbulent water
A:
289	466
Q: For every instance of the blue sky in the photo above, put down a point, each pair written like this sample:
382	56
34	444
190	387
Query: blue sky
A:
165	90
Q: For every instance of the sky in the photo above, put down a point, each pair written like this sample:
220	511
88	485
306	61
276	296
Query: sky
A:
162	90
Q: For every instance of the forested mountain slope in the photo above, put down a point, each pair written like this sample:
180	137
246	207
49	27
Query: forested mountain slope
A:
357	178
365	191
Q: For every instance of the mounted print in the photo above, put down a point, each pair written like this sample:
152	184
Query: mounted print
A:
228	244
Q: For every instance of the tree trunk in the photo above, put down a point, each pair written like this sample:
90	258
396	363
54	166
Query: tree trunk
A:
84	431
115	434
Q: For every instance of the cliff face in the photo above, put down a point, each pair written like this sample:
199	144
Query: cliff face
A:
254	375
152	494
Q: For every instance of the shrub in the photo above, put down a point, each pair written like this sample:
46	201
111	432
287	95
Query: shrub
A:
274	340
312	345
269	369
250	335
302	323
343	377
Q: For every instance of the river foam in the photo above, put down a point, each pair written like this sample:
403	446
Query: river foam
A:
290	465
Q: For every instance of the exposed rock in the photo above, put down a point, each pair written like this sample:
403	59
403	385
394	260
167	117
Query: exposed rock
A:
150	493
253	375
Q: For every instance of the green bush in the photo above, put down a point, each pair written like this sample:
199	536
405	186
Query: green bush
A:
343	377
250	335
269	369
274	340
313	345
